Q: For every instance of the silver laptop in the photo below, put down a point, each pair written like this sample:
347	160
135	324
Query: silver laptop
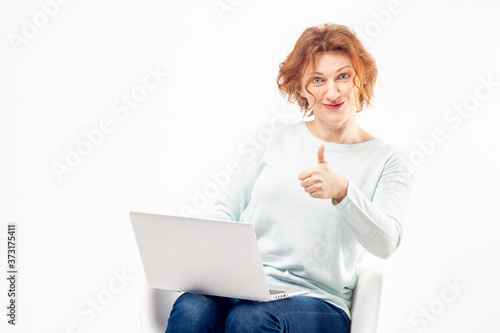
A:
204	256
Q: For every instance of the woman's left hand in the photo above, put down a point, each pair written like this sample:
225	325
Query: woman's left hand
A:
322	182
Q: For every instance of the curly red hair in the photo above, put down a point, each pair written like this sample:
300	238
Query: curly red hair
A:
324	38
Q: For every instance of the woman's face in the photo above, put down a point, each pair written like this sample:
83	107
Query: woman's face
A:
332	90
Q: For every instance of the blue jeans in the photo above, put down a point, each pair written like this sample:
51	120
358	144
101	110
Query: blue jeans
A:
199	313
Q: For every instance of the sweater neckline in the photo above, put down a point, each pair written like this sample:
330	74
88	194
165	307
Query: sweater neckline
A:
330	146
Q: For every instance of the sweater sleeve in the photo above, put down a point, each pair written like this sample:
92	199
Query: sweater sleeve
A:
377	223
237	193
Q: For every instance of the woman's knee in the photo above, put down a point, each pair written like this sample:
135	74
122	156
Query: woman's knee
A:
248	316
198	313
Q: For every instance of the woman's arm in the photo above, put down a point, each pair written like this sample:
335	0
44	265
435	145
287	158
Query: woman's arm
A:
377	223
237	193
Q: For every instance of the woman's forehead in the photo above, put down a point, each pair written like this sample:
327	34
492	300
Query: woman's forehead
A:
327	62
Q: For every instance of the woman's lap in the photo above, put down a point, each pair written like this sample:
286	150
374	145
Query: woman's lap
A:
198	313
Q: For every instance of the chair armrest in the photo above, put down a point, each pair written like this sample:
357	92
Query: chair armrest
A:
154	306
367	295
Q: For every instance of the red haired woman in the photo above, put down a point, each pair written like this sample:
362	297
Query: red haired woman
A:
320	195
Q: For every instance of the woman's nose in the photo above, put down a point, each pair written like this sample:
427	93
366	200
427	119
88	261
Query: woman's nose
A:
332	92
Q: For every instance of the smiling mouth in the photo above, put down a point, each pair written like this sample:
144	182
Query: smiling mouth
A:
334	106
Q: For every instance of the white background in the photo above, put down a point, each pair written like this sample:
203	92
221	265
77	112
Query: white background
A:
64	78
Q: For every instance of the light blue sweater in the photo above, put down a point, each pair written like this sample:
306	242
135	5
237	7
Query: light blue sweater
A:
311	242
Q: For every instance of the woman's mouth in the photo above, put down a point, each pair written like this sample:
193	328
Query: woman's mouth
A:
333	106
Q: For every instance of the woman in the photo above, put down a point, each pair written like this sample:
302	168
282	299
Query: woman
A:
320	195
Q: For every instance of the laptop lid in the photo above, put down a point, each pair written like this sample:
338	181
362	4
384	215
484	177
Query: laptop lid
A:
202	256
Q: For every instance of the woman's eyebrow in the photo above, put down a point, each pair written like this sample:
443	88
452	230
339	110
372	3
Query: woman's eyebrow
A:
342	68
338	70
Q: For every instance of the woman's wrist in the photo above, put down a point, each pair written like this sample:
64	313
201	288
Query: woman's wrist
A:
342	193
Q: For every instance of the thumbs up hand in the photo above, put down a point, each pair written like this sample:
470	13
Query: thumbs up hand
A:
322	182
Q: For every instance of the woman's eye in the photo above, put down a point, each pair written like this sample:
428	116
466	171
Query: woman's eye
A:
344	76
316	80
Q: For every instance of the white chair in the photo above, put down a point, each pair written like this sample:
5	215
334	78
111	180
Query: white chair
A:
365	307
155	304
